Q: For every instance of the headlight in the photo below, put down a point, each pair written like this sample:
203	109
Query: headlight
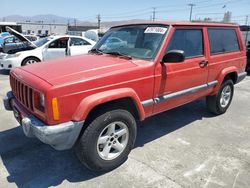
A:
13	55
39	101
42	100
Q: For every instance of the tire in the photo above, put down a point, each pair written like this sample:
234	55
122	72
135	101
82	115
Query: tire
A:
30	60
215	103
98	154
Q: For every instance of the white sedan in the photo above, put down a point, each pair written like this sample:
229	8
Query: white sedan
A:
46	49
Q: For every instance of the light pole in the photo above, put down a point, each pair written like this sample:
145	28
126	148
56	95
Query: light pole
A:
246	39
191	10
99	21
153	14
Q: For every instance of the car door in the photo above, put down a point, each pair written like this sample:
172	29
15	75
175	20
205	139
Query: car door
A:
182	82
55	49
78	46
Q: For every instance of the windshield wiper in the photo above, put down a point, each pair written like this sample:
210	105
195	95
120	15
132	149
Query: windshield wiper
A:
96	51
119	54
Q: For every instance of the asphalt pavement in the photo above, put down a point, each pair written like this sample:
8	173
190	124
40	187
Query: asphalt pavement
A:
183	147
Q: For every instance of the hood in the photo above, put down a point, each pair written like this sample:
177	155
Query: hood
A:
19	36
14	48
78	68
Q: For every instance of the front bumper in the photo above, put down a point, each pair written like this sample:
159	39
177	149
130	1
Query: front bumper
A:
60	137
9	63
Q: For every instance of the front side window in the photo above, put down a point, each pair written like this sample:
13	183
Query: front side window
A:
222	40
188	40
59	43
136	41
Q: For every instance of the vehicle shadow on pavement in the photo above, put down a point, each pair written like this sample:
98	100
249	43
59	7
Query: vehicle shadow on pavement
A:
4	72
169	121
32	164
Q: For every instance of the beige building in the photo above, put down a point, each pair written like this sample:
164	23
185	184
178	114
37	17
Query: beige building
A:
14	25
39	28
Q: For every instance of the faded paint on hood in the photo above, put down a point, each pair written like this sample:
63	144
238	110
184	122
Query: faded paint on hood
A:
78	68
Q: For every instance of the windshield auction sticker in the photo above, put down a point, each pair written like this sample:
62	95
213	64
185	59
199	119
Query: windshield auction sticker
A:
159	30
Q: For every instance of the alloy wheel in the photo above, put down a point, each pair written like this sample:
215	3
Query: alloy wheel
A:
113	140
225	96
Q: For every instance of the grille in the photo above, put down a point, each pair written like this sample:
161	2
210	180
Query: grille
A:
22	92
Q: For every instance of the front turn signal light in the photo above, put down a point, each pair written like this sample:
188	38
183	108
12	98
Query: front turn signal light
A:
55	109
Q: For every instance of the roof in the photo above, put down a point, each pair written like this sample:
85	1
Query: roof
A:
81	28
64	36
176	23
8	23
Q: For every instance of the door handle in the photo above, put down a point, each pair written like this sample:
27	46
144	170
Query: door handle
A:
203	64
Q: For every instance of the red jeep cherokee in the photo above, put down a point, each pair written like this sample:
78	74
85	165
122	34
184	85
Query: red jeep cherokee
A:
135	71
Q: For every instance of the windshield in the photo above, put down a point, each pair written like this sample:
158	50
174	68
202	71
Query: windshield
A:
41	42
136	41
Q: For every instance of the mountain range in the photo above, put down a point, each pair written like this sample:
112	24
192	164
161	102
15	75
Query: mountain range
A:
50	18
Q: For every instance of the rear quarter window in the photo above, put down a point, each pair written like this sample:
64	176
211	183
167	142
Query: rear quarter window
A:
222	40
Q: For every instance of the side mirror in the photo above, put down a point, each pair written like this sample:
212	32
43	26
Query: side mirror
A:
174	56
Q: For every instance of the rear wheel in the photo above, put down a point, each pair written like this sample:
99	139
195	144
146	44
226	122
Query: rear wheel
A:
219	103
107	141
30	60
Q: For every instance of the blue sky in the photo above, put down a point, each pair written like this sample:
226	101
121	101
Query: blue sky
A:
127	9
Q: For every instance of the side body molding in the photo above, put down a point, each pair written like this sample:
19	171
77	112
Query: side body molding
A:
88	103
179	94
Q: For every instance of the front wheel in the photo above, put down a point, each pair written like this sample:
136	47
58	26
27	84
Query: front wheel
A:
107	141
219	103
30	60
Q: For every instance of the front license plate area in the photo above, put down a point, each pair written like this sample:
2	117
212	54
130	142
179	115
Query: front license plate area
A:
17	115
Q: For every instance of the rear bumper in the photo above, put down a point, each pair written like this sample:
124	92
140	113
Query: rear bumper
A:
60	137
